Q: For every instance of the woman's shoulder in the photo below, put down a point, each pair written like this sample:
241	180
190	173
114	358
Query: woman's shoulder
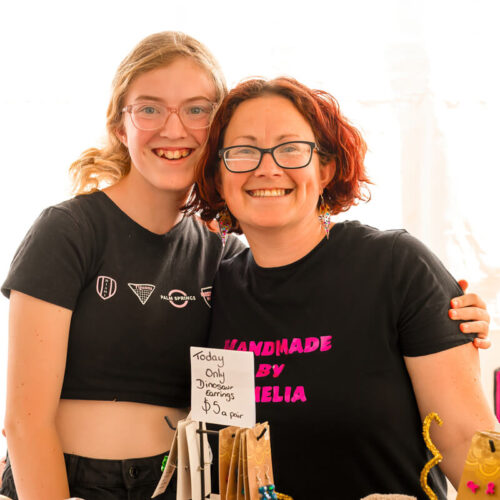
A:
363	236
237	262
356	229
397	245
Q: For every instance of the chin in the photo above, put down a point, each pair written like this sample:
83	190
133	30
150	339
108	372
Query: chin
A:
265	225
179	186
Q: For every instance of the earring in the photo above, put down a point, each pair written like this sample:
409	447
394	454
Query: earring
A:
225	224
271	489
266	492
262	488
269	492
324	216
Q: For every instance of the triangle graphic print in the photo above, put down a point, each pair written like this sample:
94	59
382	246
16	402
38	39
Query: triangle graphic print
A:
142	291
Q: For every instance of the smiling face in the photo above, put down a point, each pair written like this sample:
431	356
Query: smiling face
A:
271	197
164	159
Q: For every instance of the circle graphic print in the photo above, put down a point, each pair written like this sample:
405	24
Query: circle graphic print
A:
179	298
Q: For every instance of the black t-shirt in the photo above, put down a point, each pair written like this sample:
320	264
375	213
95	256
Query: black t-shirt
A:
329	333
139	299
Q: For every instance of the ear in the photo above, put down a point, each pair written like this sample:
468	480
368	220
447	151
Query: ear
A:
121	135
326	173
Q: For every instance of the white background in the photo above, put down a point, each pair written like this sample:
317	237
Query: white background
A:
419	78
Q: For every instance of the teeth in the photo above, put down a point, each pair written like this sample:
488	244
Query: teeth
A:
261	193
173	155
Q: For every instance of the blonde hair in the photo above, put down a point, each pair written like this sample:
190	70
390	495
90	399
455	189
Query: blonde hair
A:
107	165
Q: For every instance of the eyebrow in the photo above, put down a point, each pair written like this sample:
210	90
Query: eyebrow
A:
254	139
284	136
245	137
159	99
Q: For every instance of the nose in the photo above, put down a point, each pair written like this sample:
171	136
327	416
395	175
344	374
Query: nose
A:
268	167
173	128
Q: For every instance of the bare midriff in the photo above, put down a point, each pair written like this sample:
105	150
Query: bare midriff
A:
115	429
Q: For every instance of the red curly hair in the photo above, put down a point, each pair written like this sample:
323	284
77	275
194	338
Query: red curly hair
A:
336	139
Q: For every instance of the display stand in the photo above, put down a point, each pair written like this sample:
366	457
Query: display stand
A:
200	432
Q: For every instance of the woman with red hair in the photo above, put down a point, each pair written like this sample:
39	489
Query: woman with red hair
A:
348	324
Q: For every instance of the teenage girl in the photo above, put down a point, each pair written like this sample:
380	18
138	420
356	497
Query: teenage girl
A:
109	289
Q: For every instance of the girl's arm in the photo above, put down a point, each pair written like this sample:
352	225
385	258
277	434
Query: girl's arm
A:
38	339
448	383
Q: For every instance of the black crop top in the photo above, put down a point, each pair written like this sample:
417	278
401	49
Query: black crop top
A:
139	299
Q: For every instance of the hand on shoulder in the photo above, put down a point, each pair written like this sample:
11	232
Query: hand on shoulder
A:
472	309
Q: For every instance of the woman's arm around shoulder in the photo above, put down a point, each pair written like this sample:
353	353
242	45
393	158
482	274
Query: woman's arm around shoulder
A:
448	383
472	309
38	339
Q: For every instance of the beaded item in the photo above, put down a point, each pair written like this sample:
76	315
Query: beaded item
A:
472	486
267	492
324	216
164	463
437	456
225	223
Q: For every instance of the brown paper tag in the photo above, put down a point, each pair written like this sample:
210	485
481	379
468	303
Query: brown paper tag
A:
259	460
231	493
245	470
226	441
240	487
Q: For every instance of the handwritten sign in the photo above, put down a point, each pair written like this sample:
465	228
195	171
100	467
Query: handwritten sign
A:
222	386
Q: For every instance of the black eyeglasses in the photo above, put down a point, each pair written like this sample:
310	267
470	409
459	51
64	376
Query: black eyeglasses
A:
293	154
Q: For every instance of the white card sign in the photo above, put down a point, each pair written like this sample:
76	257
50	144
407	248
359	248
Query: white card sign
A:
222	386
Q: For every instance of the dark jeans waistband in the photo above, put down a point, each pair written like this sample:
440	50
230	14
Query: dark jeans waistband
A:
113	473
96	479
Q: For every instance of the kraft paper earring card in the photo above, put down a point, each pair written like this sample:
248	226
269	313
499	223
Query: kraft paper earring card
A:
246	487
259	459
231	493
481	475
226	441
240	485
